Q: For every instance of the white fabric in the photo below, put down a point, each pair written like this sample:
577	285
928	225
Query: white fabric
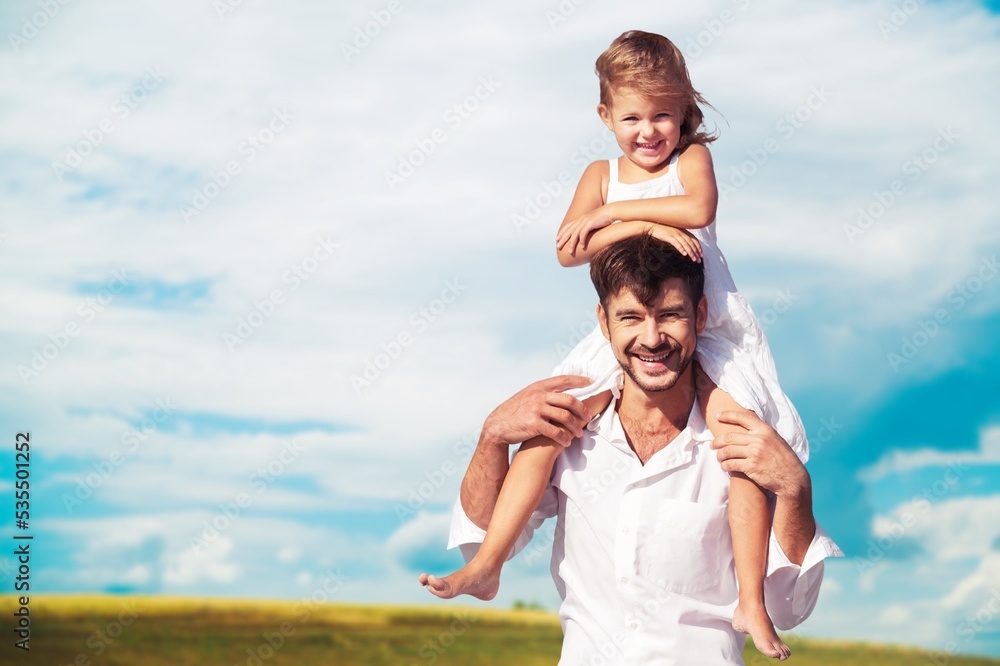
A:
642	555
732	350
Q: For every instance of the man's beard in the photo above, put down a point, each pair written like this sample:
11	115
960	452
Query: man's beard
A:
684	362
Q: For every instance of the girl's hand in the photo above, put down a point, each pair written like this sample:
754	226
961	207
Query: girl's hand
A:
576	234
681	239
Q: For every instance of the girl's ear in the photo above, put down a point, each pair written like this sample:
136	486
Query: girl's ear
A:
605	113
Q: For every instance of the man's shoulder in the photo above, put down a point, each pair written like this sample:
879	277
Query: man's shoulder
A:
572	459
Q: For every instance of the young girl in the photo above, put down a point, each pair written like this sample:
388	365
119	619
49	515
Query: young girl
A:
663	184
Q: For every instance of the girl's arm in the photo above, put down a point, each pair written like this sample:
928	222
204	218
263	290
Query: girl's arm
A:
692	210
685	243
589	196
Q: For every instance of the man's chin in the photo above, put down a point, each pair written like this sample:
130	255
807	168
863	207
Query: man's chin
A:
652	383
655	383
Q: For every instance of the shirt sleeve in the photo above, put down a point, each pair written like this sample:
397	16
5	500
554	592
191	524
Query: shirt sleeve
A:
467	536
791	590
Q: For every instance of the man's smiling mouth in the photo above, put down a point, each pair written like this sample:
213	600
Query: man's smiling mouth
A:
659	357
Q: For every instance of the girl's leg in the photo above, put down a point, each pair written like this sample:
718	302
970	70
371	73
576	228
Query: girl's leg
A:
522	490
750	524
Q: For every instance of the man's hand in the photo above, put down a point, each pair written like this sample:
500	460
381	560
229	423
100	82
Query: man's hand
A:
539	409
761	454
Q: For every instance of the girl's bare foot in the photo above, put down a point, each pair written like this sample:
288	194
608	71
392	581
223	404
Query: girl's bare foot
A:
478	583
752	618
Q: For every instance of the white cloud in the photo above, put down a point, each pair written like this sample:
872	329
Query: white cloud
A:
983	583
211	564
289	554
964	527
421	538
901	462
951	576
137	575
895	615
188	552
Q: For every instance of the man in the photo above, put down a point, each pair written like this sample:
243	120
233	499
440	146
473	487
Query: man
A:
642	556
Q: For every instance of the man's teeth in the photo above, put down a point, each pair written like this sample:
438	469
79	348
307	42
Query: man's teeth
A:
654	359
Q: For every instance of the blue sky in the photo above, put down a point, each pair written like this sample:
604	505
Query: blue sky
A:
213	220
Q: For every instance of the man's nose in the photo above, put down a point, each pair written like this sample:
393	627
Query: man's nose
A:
650	336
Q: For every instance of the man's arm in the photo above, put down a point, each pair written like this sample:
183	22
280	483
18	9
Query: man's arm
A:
483	480
540	409
793	524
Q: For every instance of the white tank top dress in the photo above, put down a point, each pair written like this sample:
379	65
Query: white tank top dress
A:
732	350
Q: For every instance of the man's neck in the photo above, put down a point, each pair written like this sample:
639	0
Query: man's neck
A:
653	420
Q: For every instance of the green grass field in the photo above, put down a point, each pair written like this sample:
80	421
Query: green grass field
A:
155	631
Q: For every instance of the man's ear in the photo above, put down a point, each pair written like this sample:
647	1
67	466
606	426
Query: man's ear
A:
701	315
602	318
605	113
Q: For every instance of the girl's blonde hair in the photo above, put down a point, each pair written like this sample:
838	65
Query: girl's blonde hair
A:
652	65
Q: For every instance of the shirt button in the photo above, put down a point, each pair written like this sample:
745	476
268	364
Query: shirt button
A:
634	625
624	581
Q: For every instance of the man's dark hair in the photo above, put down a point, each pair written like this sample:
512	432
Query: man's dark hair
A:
640	265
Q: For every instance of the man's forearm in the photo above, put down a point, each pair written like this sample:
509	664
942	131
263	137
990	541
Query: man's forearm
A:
794	525
539	409
483	480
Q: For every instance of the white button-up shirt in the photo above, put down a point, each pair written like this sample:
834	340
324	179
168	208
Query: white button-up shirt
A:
642	555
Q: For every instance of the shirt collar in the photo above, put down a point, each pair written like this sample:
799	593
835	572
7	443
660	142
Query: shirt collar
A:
608	426
697	426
